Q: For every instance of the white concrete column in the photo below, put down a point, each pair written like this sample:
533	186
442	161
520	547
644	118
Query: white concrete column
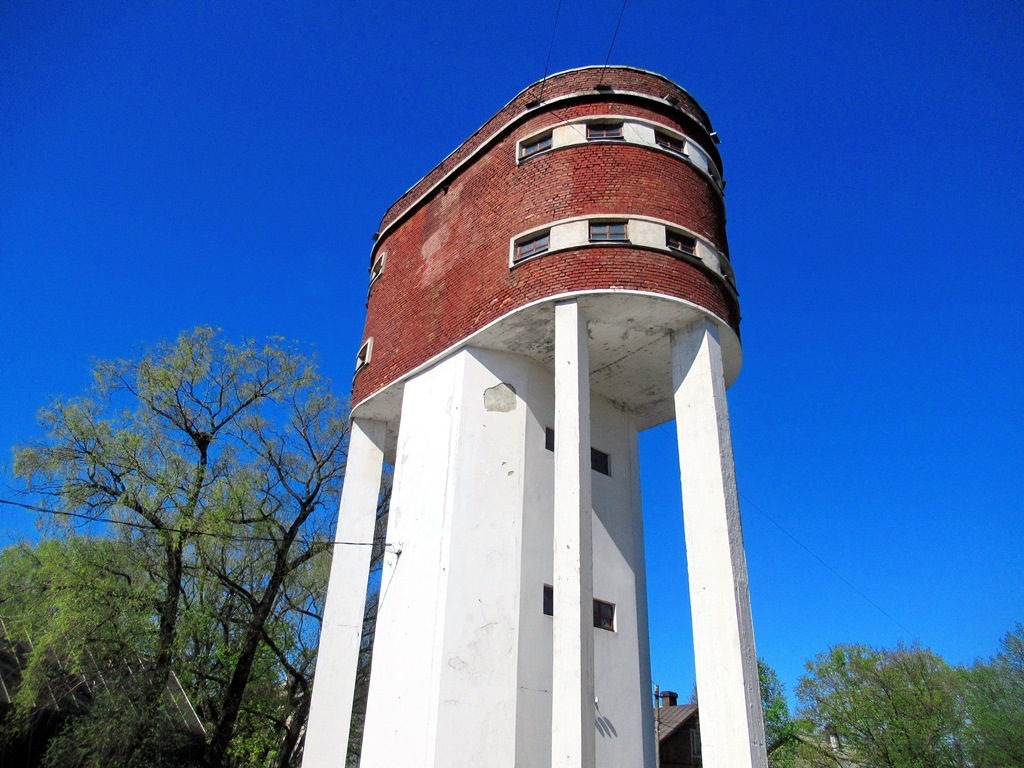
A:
731	721
330	710
572	685
650	746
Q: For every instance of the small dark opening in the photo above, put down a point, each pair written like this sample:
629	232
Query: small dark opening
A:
604	615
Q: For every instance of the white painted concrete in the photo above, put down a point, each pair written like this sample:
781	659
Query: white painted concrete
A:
444	683
639	569
330	710
572	705
463	662
647	233
571	234
731	721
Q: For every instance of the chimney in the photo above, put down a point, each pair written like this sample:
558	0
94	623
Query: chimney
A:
669	698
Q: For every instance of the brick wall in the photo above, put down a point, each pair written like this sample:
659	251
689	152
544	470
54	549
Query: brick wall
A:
447	273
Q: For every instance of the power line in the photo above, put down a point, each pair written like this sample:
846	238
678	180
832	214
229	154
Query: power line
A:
551	47
834	572
151	527
612	45
828	567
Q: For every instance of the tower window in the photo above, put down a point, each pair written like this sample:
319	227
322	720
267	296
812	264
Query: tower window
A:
535	145
695	742
607	231
604	615
377	268
597	131
363	355
599	460
670	142
677	241
532	246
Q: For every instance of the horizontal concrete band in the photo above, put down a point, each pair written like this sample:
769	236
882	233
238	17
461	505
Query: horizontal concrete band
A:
640	231
634	130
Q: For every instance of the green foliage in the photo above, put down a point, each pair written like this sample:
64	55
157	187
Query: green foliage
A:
211	472
995	706
891	708
779	728
98	738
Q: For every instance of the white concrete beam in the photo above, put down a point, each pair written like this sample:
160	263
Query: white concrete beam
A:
330	710
572	685
731	721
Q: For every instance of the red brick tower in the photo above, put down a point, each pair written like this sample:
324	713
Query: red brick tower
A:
563	273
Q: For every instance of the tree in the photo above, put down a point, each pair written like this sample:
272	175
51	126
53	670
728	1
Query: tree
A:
218	467
779	729
80	606
891	708
995	706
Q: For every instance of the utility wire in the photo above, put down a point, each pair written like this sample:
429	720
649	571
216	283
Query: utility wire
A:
832	570
551	47
212	534
828	567
612	45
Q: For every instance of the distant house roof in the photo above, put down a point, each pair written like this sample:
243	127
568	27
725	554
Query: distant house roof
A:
671	719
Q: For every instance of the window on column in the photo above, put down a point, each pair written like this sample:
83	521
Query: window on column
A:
599	460
604	612
604	615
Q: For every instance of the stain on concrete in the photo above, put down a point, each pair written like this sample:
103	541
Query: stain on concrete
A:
501	398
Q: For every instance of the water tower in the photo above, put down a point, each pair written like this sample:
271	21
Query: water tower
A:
559	283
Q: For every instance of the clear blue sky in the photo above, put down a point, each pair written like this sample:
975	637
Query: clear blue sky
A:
166	165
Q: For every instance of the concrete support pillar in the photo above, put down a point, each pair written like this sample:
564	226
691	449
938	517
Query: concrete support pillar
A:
572	685
731	721
330	711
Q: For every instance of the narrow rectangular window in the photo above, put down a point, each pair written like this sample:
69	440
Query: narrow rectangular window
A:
694	742
604	615
364	354
677	241
532	246
596	131
534	145
599	460
607	231
670	142
378	266
549	600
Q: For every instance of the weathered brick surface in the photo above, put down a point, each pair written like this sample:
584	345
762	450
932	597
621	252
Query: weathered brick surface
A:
447	273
